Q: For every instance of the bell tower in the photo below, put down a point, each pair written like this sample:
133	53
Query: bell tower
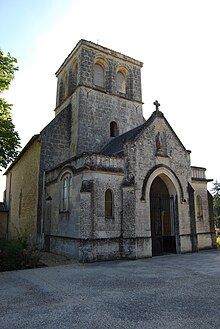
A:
104	89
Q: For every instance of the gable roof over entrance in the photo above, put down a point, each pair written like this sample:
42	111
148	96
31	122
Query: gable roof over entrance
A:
115	146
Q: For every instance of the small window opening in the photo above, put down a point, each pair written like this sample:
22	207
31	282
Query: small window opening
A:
108	203
65	198
113	129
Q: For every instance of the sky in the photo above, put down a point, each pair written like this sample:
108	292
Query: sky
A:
177	40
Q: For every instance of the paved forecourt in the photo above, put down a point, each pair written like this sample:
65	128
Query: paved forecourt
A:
173	291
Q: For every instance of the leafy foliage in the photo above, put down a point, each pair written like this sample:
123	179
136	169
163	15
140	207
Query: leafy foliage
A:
216	202
9	138
7	70
14	256
19	253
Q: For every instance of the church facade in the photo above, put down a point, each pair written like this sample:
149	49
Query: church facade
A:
106	183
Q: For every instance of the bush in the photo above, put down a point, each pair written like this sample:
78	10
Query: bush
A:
16	254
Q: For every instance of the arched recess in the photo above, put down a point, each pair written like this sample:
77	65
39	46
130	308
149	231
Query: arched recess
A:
99	74
163	194
64	170
108	203
113	129
169	176
198	214
121	79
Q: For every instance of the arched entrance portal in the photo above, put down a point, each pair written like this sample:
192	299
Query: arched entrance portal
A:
162	212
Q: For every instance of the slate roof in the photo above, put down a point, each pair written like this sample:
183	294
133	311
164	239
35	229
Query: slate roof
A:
115	146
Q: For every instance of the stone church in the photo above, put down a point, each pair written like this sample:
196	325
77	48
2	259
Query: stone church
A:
100	182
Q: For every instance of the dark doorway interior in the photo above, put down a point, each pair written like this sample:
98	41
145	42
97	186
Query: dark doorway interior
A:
162	219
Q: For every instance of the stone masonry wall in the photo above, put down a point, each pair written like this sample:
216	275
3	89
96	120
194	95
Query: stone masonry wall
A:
55	148
87	58
63	224
92	175
22	199
203	222
96	111
142	155
55	140
94	107
98	107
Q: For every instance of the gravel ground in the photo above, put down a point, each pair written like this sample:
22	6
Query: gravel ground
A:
50	259
173	291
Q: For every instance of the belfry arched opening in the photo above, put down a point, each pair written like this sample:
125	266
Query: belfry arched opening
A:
163	217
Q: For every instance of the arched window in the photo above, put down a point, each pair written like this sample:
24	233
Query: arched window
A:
67	186
199	211
113	129
108	203
70	189
99	75
65	197
121	82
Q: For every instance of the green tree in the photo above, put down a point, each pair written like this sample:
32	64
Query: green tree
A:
216	202
9	138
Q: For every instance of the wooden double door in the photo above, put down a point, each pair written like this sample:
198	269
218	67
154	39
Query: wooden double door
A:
162	212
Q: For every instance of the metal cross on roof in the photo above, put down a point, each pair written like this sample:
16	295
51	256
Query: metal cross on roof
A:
157	104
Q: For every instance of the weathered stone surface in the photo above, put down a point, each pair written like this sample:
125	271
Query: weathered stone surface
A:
75	215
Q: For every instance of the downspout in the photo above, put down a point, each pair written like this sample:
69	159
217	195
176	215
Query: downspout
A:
42	212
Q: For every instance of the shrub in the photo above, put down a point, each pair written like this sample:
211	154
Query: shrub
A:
16	255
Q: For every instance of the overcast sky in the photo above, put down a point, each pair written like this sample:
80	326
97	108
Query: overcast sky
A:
177	40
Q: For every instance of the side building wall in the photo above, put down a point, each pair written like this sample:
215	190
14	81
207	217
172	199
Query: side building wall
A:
22	193
3	221
204	229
